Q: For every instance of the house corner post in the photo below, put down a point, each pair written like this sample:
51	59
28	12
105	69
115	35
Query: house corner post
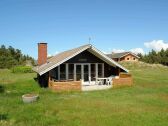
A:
49	80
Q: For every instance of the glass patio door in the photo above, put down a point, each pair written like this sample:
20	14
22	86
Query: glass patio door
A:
86	72
78	72
82	72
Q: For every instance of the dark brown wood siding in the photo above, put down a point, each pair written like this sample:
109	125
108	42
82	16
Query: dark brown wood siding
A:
85	57
43	79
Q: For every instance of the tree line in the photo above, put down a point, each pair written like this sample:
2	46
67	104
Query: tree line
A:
160	57
10	57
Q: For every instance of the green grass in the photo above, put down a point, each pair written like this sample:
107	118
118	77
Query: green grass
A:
144	104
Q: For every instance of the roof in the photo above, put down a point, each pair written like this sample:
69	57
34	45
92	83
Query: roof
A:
120	55
66	55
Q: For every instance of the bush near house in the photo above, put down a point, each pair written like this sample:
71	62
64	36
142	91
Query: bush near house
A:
2	88
22	69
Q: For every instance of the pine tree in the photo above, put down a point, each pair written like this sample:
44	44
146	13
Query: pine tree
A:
156	57
10	57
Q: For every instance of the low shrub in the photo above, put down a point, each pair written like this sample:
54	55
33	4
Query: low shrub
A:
2	89
3	117
22	69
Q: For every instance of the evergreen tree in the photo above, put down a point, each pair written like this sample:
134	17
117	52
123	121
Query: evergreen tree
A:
155	57
10	57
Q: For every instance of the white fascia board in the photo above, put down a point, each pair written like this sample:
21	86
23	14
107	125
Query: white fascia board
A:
108	59
55	65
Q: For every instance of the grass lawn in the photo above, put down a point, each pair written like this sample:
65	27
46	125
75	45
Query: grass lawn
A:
144	104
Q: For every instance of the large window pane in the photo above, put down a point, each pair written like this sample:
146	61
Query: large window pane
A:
100	74
86	72
62	72
71	71
54	73
78	72
93	72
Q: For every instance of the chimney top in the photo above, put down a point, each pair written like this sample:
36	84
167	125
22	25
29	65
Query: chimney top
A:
42	43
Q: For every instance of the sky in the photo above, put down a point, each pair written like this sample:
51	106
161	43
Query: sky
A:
112	25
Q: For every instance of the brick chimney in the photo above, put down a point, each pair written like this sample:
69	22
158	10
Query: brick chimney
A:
42	53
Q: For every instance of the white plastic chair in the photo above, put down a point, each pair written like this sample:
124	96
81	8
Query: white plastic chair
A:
99	82
109	80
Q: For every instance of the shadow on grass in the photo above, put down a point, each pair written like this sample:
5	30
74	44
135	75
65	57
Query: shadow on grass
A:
2	88
3	117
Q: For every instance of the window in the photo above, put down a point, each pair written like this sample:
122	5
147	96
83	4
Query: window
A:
133	58
86	72
100	68
127	58
62	72
54	73
78	72
93	71
71	71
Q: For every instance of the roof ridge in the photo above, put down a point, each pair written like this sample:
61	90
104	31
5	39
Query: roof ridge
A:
120	52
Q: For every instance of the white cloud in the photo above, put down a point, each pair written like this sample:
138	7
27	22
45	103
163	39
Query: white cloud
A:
108	51
157	45
118	50
56	52
105	52
134	50
49	55
137	50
